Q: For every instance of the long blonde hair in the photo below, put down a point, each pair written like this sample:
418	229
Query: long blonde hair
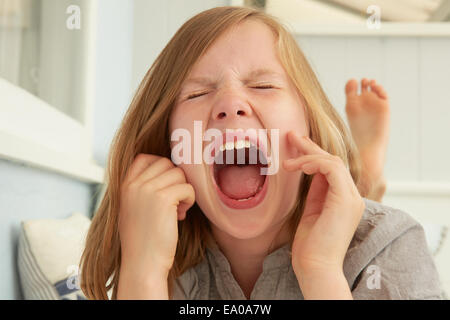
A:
144	129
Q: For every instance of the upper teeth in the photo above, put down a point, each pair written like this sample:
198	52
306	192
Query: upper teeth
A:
235	145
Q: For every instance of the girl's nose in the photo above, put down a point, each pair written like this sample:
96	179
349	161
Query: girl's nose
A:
230	107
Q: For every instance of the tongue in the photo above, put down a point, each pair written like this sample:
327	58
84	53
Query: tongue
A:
240	182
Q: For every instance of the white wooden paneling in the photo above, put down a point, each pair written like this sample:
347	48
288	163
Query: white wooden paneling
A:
435	109
402	84
338	59
407	70
149	35
325	56
425	209
155	22
364	58
180	11
416	74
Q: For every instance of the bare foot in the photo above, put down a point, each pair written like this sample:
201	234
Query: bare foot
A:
368	117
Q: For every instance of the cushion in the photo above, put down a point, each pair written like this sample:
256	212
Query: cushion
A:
435	235
49	255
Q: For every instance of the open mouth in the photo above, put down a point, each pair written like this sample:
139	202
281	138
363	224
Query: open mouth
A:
237	172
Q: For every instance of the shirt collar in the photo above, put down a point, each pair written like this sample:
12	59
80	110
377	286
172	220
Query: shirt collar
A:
279	258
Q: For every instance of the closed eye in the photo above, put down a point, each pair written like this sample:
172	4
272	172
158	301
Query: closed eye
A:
264	86
195	95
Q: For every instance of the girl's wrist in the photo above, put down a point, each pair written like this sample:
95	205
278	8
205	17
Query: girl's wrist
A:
311	274
144	268
324	284
143	284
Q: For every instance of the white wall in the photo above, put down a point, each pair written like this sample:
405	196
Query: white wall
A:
113	70
155	22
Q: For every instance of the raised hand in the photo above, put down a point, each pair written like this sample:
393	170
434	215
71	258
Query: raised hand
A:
332	211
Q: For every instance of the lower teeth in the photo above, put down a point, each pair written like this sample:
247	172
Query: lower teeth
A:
245	199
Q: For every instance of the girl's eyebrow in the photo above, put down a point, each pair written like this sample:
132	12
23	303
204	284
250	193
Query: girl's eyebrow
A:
250	76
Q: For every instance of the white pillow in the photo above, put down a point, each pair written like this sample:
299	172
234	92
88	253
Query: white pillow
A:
435	235
49	256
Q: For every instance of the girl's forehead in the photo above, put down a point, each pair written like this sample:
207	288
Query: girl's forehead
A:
251	41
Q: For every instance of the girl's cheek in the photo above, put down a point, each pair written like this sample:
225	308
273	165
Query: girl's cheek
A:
192	172
285	124
189	173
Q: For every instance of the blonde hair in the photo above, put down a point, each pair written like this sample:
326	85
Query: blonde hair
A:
145	130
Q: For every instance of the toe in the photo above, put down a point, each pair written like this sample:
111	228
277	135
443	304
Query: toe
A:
364	84
372	84
379	90
351	88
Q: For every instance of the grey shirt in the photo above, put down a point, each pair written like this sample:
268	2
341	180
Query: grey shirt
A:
388	258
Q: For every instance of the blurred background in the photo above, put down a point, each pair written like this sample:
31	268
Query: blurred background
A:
69	68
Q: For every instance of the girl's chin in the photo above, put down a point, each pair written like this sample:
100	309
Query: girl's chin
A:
243	231
245	224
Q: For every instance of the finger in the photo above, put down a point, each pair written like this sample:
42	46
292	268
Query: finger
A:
183	195
317	190
304	144
156	168
364	84
168	178
140	163
296	163
181	210
333	172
